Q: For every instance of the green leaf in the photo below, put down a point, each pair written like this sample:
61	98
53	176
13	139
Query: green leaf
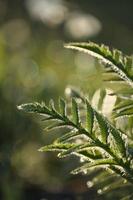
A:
123	104
69	151
127	112
77	149
62	106
47	119
119	145
39	108
89	155
55	126
102	122
124	108
101	99
117	55
52	107
113	59
98	162
56	147
89	117
68	136
124	93
111	77
75	112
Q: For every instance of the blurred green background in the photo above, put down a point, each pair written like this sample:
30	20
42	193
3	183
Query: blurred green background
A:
34	66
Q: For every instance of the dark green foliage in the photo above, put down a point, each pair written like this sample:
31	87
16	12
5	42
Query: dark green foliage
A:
100	143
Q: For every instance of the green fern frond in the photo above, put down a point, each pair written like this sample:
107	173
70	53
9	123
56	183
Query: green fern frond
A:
88	133
114	59
100	147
